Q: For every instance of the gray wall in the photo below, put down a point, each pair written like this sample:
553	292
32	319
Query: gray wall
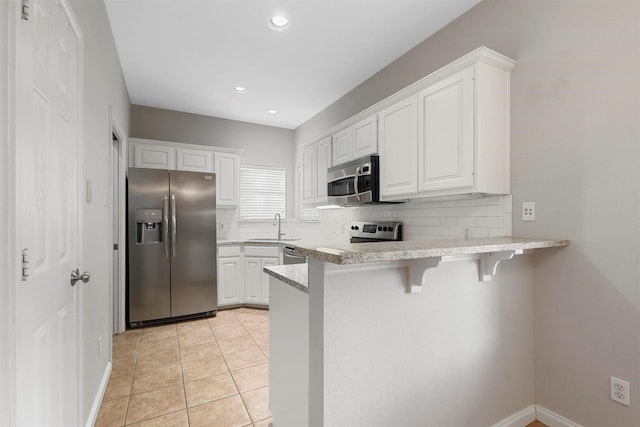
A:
575	152
103	86
263	145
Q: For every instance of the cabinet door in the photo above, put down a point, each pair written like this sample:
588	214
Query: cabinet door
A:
308	175
194	160
266	262
365	137
253	279
227	177
154	157
323	162
229	281
398	149
343	146
445	134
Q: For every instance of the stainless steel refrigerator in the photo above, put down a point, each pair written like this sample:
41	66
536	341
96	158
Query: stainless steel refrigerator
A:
171	244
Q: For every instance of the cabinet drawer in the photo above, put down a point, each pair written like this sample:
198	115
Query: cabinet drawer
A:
225	251
262	251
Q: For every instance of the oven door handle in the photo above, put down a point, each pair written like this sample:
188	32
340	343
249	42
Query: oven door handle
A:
355	183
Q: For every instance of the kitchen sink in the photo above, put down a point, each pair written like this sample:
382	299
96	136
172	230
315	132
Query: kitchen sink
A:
273	239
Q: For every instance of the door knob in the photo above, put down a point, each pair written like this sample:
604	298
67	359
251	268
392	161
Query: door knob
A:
75	276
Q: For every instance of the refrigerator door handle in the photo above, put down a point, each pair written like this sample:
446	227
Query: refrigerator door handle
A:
165	220
173	225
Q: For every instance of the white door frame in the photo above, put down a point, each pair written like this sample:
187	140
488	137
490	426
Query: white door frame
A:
8	266
118	283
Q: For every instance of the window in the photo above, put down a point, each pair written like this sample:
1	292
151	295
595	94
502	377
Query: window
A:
262	192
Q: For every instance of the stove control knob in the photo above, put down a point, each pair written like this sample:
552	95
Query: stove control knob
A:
357	228
353	227
390	228
379	228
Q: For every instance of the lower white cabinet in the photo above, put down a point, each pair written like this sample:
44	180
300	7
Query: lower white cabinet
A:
230	284
240	276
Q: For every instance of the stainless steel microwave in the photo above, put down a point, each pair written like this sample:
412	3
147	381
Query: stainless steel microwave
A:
354	183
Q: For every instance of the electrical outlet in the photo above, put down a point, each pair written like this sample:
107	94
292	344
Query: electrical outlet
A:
528	211
620	391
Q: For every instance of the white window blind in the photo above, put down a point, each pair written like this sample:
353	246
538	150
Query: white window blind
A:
262	192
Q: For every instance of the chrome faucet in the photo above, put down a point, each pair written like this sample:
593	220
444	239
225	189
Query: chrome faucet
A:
278	219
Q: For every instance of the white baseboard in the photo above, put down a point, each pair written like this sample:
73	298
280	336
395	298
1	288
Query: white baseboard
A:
97	402
552	419
519	419
536	412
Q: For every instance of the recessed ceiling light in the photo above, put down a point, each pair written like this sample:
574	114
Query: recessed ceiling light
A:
240	89
272	111
279	23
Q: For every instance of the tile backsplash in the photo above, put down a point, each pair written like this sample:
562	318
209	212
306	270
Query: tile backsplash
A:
489	216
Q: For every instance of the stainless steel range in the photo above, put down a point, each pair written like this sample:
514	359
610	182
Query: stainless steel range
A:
375	231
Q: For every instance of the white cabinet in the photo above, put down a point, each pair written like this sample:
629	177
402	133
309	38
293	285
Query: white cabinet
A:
154	157
230	277
224	162
355	141
241	279
316	159
227	179
323	162
398	149
451	138
255	280
343	146
365	137
194	160
445	135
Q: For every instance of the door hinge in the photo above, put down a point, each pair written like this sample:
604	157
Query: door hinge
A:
24	257
115	246
25	10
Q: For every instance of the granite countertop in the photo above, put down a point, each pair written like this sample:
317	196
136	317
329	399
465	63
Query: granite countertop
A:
295	275
258	242
354	253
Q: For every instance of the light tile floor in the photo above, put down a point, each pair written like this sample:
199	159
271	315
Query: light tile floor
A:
206	372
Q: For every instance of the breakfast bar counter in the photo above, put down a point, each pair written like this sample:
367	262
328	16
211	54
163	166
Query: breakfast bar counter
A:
381	334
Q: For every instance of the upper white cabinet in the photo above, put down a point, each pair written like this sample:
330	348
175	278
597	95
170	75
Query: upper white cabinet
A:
355	141
316	159
398	149
445	135
343	146
194	160
153	156
323	162
224	162
227	179
452	137
365	137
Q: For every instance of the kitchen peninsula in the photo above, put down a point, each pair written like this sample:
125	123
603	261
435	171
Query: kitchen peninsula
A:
403	333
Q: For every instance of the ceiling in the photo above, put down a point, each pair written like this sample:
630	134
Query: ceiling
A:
187	55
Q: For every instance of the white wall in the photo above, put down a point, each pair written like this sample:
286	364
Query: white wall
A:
575	151
7	359
103	86
262	145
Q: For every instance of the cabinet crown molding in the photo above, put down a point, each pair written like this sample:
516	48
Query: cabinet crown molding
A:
184	145
480	54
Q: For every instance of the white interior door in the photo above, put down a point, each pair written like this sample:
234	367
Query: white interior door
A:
47	220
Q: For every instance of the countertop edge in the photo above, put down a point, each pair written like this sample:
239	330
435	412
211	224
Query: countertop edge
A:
406	250
295	275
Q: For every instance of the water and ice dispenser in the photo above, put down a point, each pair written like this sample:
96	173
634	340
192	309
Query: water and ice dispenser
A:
149	226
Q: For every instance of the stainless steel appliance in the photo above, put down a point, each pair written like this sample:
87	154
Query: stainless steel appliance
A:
171	244
375	231
354	183
289	256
